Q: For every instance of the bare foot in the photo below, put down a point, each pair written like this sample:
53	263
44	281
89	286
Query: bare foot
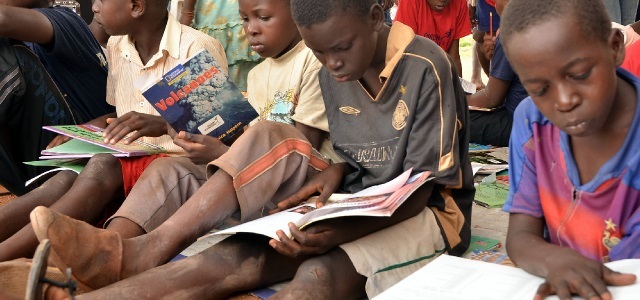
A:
94	255
56	293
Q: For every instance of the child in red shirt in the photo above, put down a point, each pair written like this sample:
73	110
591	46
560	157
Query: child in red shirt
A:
442	21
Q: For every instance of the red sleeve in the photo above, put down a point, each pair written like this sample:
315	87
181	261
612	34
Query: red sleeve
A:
407	13
631	61
463	23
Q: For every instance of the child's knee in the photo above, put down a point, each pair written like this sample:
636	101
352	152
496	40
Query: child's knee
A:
317	270
102	165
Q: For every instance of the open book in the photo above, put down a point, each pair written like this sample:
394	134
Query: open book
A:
376	201
489	162
197	97
87	141
454	278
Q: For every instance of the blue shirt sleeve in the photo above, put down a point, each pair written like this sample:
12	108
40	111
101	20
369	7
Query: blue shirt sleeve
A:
500	66
524	196
73	42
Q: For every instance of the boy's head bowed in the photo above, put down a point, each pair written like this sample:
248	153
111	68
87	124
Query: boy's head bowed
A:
309	12
590	15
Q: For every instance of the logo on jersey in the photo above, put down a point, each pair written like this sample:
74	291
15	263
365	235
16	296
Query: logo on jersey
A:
349	110
399	120
610	236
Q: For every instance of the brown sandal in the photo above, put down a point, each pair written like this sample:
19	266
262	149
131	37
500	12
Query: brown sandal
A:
37	277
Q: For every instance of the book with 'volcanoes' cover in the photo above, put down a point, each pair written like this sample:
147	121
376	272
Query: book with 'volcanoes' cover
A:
198	97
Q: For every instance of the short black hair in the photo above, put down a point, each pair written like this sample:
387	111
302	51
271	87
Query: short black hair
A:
590	16
309	12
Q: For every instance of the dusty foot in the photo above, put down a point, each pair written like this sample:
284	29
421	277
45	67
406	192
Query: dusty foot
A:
94	255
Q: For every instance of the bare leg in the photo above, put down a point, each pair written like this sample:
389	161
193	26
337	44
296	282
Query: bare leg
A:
476	68
330	276
99	184
239	263
213	203
126	228
76	243
15	214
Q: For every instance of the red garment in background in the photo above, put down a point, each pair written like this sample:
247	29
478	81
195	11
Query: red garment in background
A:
631	61
452	23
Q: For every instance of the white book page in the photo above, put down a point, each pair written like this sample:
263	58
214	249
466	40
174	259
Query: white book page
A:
267	225
387	187
455	278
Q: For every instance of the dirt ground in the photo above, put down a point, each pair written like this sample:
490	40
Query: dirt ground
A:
5	196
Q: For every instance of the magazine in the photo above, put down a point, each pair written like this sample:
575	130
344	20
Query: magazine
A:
198	97
376	201
88	141
453	278
488	162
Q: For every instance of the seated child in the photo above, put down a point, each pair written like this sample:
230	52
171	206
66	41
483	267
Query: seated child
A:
503	93
385	90
158	46
291	95
443	22
72	57
574	202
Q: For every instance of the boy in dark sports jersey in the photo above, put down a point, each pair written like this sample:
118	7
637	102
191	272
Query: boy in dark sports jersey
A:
394	102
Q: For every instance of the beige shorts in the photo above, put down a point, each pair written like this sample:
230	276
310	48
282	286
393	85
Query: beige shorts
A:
387	256
160	191
268	163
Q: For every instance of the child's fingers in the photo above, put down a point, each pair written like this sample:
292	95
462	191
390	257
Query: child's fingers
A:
298	197
286	246
616	278
543	291
323	197
562	290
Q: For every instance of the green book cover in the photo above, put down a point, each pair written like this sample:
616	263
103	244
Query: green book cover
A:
483	243
59	164
87	140
491	195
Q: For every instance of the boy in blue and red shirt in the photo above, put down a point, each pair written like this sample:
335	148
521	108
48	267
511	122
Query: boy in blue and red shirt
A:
574	201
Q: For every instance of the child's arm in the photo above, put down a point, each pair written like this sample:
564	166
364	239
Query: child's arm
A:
25	25
188	12
566	271
491	96
325	235
454	52
314	135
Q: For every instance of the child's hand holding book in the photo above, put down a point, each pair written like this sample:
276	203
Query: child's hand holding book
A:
314	240
199	148
325	183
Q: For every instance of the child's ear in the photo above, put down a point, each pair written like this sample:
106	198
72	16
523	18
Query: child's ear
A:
377	17
616	43
138	7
